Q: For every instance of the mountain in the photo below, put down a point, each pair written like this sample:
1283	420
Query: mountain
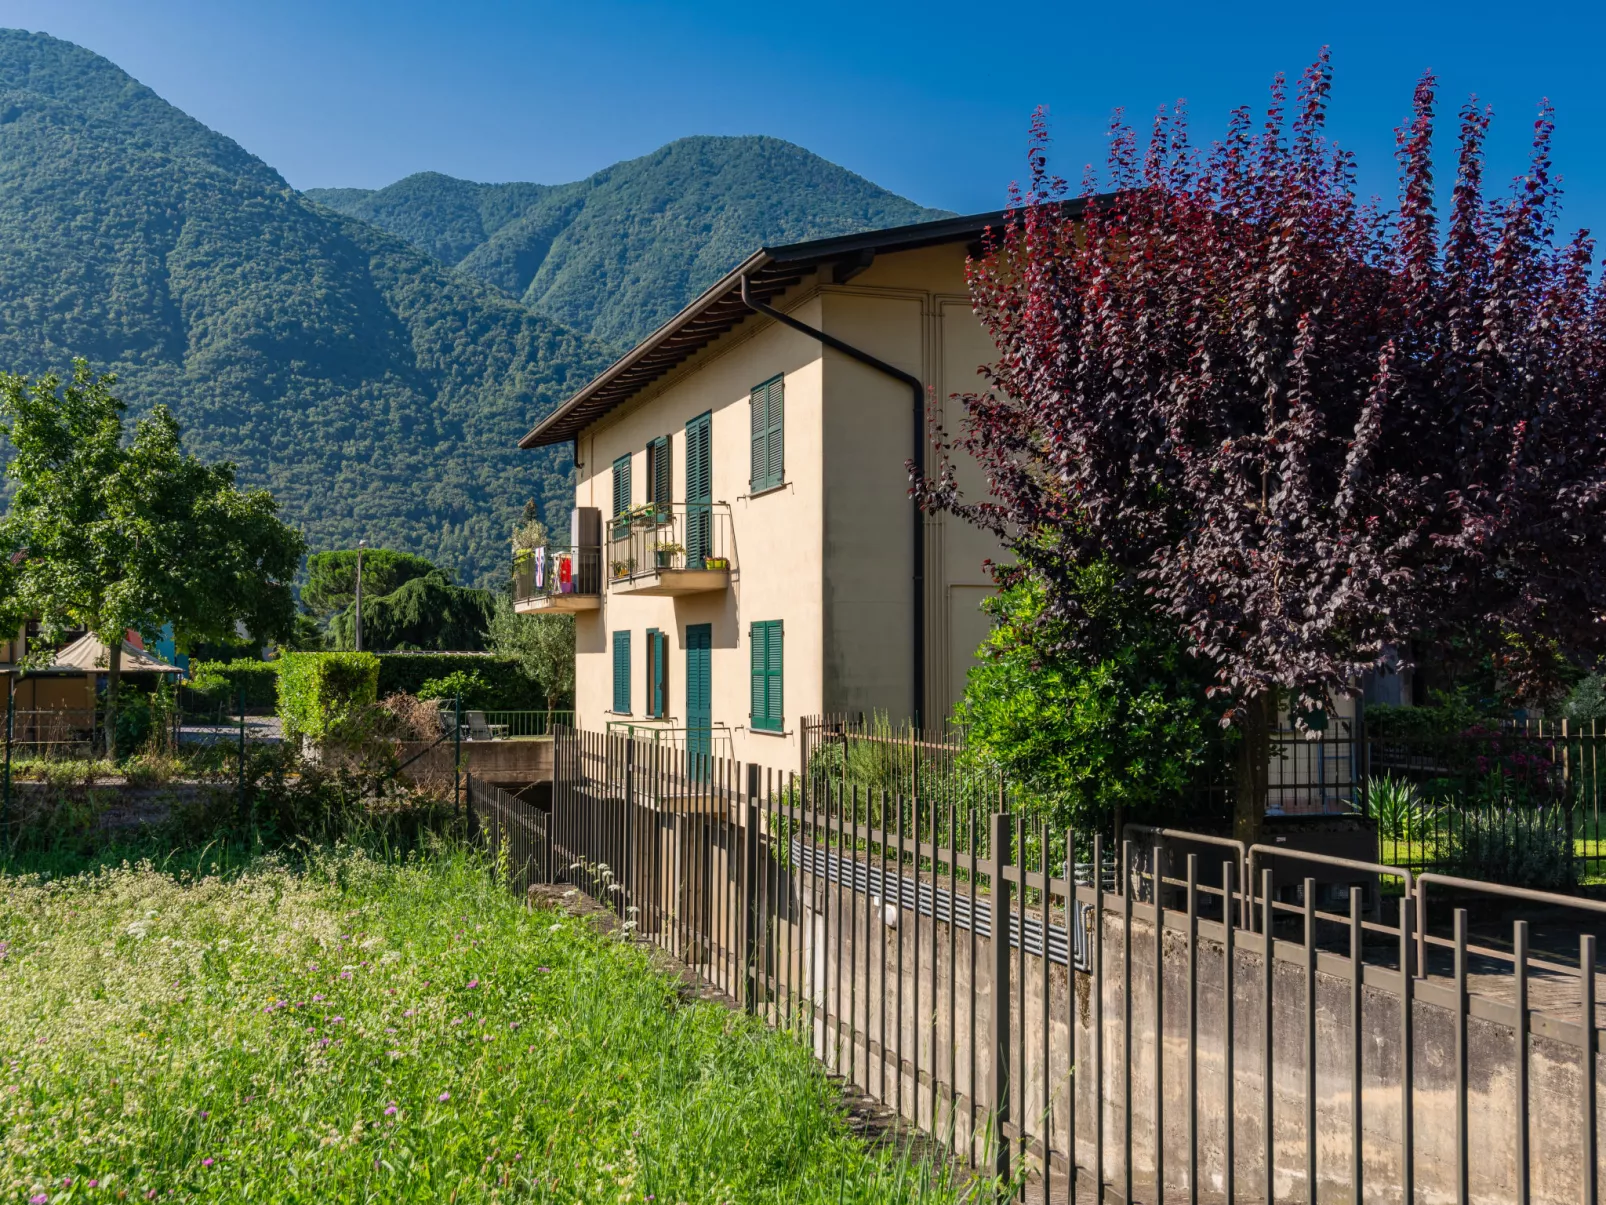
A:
371	357
621	251
378	393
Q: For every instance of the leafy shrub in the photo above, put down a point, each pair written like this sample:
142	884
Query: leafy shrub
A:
222	681
321	695
1520	847
144	720
1080	734
508	686
474	690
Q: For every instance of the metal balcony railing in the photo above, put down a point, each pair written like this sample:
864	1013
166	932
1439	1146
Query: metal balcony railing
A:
546	572
713	741
662	537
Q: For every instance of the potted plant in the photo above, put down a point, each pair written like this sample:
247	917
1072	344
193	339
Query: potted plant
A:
666	552
624	568
717	562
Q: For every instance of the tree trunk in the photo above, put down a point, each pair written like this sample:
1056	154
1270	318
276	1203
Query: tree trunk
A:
1249	780
114	677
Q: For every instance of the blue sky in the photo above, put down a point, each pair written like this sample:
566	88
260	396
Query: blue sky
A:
930	100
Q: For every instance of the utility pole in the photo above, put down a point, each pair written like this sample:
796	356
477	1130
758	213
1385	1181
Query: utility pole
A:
357	626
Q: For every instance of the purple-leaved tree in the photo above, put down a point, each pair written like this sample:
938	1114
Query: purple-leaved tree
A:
1310	430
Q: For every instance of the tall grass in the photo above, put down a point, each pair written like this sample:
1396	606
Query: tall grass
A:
347	1027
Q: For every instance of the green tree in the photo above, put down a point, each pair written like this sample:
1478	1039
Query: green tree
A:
543	646
423	613
117	536
332	577
1115	720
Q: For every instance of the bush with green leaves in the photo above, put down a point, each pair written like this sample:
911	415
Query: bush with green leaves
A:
465	685
1517	846
1079	734
510	687
323	695
224	681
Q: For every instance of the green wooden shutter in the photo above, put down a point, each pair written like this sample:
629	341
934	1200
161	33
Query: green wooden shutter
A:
767	711
659	479
758	705
766	420
621	486
699	490
621	673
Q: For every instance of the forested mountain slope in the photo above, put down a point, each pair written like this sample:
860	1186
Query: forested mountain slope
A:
377	392
619	252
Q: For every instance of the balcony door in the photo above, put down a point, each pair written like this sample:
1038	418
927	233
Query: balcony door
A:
699	491
699	696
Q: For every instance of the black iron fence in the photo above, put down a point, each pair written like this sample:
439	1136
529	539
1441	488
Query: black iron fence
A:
513	830
1180	1014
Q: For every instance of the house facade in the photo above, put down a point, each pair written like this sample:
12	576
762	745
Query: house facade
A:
744	552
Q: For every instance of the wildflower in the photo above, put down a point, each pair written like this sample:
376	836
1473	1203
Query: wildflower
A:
390	1109
444	1097
317	998
39	1198
543	970
411	1012
512	1024
207	1162
94	1184
473	983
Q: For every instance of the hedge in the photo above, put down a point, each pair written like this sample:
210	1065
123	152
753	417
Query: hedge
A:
508	687
318	692
222	681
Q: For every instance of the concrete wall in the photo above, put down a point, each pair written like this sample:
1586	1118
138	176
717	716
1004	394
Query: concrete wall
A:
937	1029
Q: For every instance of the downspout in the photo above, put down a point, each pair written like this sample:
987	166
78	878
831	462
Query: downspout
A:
917	531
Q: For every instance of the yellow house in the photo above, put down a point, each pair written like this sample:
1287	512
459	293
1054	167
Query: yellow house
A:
744	552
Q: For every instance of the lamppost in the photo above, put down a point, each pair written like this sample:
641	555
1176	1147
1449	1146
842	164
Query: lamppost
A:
357	627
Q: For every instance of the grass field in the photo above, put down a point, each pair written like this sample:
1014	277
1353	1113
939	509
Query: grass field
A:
352	1030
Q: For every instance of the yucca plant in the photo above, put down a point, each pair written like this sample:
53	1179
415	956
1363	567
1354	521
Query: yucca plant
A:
1396	807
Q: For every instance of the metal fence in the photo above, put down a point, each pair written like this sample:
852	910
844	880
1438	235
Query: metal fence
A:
514	831
1157	1019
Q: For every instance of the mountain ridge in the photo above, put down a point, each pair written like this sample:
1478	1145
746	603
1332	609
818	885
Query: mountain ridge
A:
617	253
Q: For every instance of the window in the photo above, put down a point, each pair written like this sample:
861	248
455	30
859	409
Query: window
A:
767	404
621	673
660	481
621	486
767	711
657	674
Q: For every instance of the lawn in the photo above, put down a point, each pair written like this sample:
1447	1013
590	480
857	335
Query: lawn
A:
349	1029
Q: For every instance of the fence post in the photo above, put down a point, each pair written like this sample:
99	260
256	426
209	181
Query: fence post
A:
999	998
242	754
11	715
750	917
457	753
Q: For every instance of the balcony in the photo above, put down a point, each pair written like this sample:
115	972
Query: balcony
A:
562	580
671	549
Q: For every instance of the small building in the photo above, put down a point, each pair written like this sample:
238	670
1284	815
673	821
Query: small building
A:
744	552
56	705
